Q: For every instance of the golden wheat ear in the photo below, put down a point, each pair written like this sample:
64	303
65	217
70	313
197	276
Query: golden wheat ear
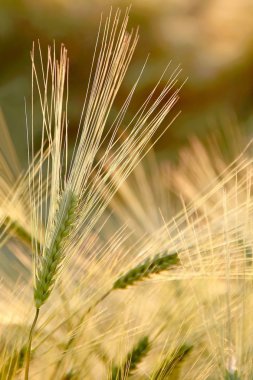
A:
150	266
87	181
73	203
51	261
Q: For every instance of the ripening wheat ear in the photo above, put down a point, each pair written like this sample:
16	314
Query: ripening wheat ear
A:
142	271
50	262
134	357
73	202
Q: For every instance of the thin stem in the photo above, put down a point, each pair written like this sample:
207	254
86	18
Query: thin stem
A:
28	353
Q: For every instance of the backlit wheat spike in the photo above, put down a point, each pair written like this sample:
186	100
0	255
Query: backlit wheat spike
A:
151	266
84	178
73	203
52	259
134	357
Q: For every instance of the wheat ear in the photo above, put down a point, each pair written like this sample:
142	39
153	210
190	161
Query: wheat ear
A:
53	256
133	359
142	271
50	262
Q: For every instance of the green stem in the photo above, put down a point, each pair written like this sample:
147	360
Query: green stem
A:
28	353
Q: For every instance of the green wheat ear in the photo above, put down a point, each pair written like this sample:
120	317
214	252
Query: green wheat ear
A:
51	260
133	359
53	255
151	266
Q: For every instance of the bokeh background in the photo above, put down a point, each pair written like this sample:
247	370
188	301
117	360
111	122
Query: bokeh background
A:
212	40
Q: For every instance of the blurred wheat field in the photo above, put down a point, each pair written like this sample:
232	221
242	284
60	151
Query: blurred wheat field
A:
115	265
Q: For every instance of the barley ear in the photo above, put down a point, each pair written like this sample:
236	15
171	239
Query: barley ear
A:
51	260
142	271
133	359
